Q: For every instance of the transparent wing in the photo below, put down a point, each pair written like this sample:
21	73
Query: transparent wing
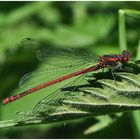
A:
34	79
70	60
60	56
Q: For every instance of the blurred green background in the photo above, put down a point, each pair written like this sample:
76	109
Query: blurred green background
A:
92	26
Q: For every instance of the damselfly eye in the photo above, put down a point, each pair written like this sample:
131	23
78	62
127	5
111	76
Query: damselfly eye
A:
125	59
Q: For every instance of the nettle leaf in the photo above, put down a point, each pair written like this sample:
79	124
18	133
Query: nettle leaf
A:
101	97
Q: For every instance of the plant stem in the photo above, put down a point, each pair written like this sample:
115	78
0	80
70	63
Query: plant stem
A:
122	31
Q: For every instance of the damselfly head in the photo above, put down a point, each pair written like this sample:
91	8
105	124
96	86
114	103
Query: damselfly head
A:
125	56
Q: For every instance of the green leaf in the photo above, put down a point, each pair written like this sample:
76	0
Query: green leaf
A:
98	98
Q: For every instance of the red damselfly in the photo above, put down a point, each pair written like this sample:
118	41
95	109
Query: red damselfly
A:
72	59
